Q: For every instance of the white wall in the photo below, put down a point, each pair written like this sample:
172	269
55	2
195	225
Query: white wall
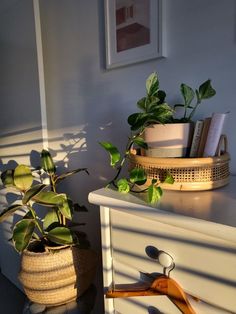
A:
20	118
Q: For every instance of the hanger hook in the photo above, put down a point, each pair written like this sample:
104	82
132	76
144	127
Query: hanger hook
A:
167	262
167	270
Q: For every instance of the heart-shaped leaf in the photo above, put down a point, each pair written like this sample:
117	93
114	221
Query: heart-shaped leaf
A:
187	93
123	186
140	142
138	176
169	179
206	90
154	194
113	151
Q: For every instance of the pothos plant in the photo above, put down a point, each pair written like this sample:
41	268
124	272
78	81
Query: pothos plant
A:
136	177
52	230
192	99
153	109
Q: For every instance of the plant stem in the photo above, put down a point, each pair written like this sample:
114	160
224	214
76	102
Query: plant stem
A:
127	150
35	219
61	218
194	109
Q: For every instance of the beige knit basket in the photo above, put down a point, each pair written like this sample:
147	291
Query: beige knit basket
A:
58	277
189	173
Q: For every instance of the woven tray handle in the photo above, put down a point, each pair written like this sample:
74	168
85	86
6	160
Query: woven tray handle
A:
223	142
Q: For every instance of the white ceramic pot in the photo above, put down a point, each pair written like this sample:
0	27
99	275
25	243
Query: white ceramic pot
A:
168	140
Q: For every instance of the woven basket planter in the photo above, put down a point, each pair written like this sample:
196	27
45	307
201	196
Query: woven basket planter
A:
58	277
189	173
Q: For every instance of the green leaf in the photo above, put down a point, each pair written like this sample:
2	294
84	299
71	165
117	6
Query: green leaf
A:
66	207
47	162
61	235
49	198
23	177
50	219
138	120
138	176
142	103
187	93
32	192
9	211
113	151
162	114
135	119
140	142
154	194
123	186
161	96
152	104
7	178
206	90
69	173
169	179
152	84
22	233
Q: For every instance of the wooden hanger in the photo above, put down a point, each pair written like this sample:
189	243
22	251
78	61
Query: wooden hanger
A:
161	285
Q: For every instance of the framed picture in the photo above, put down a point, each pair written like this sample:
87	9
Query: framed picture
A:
134	31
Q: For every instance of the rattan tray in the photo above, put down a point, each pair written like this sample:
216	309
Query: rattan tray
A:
189	173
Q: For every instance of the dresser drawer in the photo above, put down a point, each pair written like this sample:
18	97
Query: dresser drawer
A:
154	304
205	266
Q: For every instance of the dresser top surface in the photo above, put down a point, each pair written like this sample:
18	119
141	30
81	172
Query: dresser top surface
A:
197	207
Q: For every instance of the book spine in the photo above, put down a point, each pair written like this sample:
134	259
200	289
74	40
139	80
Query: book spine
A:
214	133
205	129
196	138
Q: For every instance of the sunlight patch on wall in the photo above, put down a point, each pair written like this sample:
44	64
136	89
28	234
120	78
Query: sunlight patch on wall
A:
18	144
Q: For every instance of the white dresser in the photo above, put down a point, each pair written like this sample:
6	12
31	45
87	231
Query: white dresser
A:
198	229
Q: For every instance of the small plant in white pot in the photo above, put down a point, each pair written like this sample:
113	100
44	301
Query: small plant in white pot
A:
165	135
57	264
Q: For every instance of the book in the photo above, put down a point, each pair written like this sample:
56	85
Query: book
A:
214	133
196	138
203	139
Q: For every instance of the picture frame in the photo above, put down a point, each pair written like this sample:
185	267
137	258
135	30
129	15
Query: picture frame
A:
133	31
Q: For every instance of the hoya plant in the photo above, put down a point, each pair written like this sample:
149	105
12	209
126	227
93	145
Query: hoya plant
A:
52	230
